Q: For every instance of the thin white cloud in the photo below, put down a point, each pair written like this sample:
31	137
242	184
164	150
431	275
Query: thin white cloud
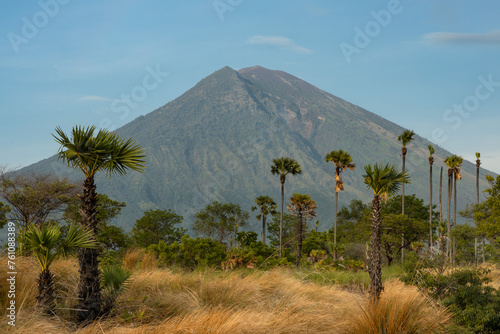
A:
278	41
491	38
93	98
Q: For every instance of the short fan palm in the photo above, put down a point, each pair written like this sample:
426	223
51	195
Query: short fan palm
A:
46	244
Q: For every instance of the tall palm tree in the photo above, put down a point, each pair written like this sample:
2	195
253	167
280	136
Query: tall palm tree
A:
342	160
431	161
267	206
405	138
456	176
90	153
282	167
46	244
384	181
304	208
478	164
453	162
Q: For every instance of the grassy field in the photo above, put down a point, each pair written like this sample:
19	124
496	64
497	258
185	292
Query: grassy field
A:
280	300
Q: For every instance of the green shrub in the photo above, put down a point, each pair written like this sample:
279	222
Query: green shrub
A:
190	253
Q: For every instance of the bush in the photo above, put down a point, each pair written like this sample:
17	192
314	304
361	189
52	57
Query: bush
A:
190	253
466	292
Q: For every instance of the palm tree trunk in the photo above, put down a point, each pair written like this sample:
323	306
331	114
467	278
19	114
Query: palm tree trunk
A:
264	228
281	216
441	196
454	213
403	151
45	299
448	244
430	207
89	285
335	227
299	240
375	265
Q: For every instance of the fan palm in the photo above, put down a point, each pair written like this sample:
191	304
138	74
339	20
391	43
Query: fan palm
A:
431	161
282	167
46	244
405	138
478	164
453	162
90	153
266	206
384	181
304	208
342	160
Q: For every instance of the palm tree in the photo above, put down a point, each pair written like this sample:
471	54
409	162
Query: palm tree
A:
453	162
267	206
431	161
46	244
405	138
304	208
342	160
478	164
90	153
282	167
384	181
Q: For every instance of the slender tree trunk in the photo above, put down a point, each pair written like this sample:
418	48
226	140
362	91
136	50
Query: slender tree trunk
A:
45	299
403	151
89	285
475	251
448	244
441	196
478	164
375	265
281	216
454	213
299	240
484	250
430	204
264	228
335	227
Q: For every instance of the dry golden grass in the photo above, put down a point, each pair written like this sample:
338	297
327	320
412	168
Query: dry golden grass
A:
211	301
132	257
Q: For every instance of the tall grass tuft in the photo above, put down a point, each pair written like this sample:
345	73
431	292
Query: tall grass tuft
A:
401	309
132	257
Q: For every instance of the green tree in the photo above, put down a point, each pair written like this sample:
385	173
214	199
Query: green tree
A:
219	220
90	153
342	160
4	210
384	181
266	206
156	225
282	167
287	232
46	244
304	208
34	198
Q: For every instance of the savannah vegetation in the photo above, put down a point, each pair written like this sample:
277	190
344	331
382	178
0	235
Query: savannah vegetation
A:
393	265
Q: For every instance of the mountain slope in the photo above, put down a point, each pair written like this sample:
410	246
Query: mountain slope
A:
217	142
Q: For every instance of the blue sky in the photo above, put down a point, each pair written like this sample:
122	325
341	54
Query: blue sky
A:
430	66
